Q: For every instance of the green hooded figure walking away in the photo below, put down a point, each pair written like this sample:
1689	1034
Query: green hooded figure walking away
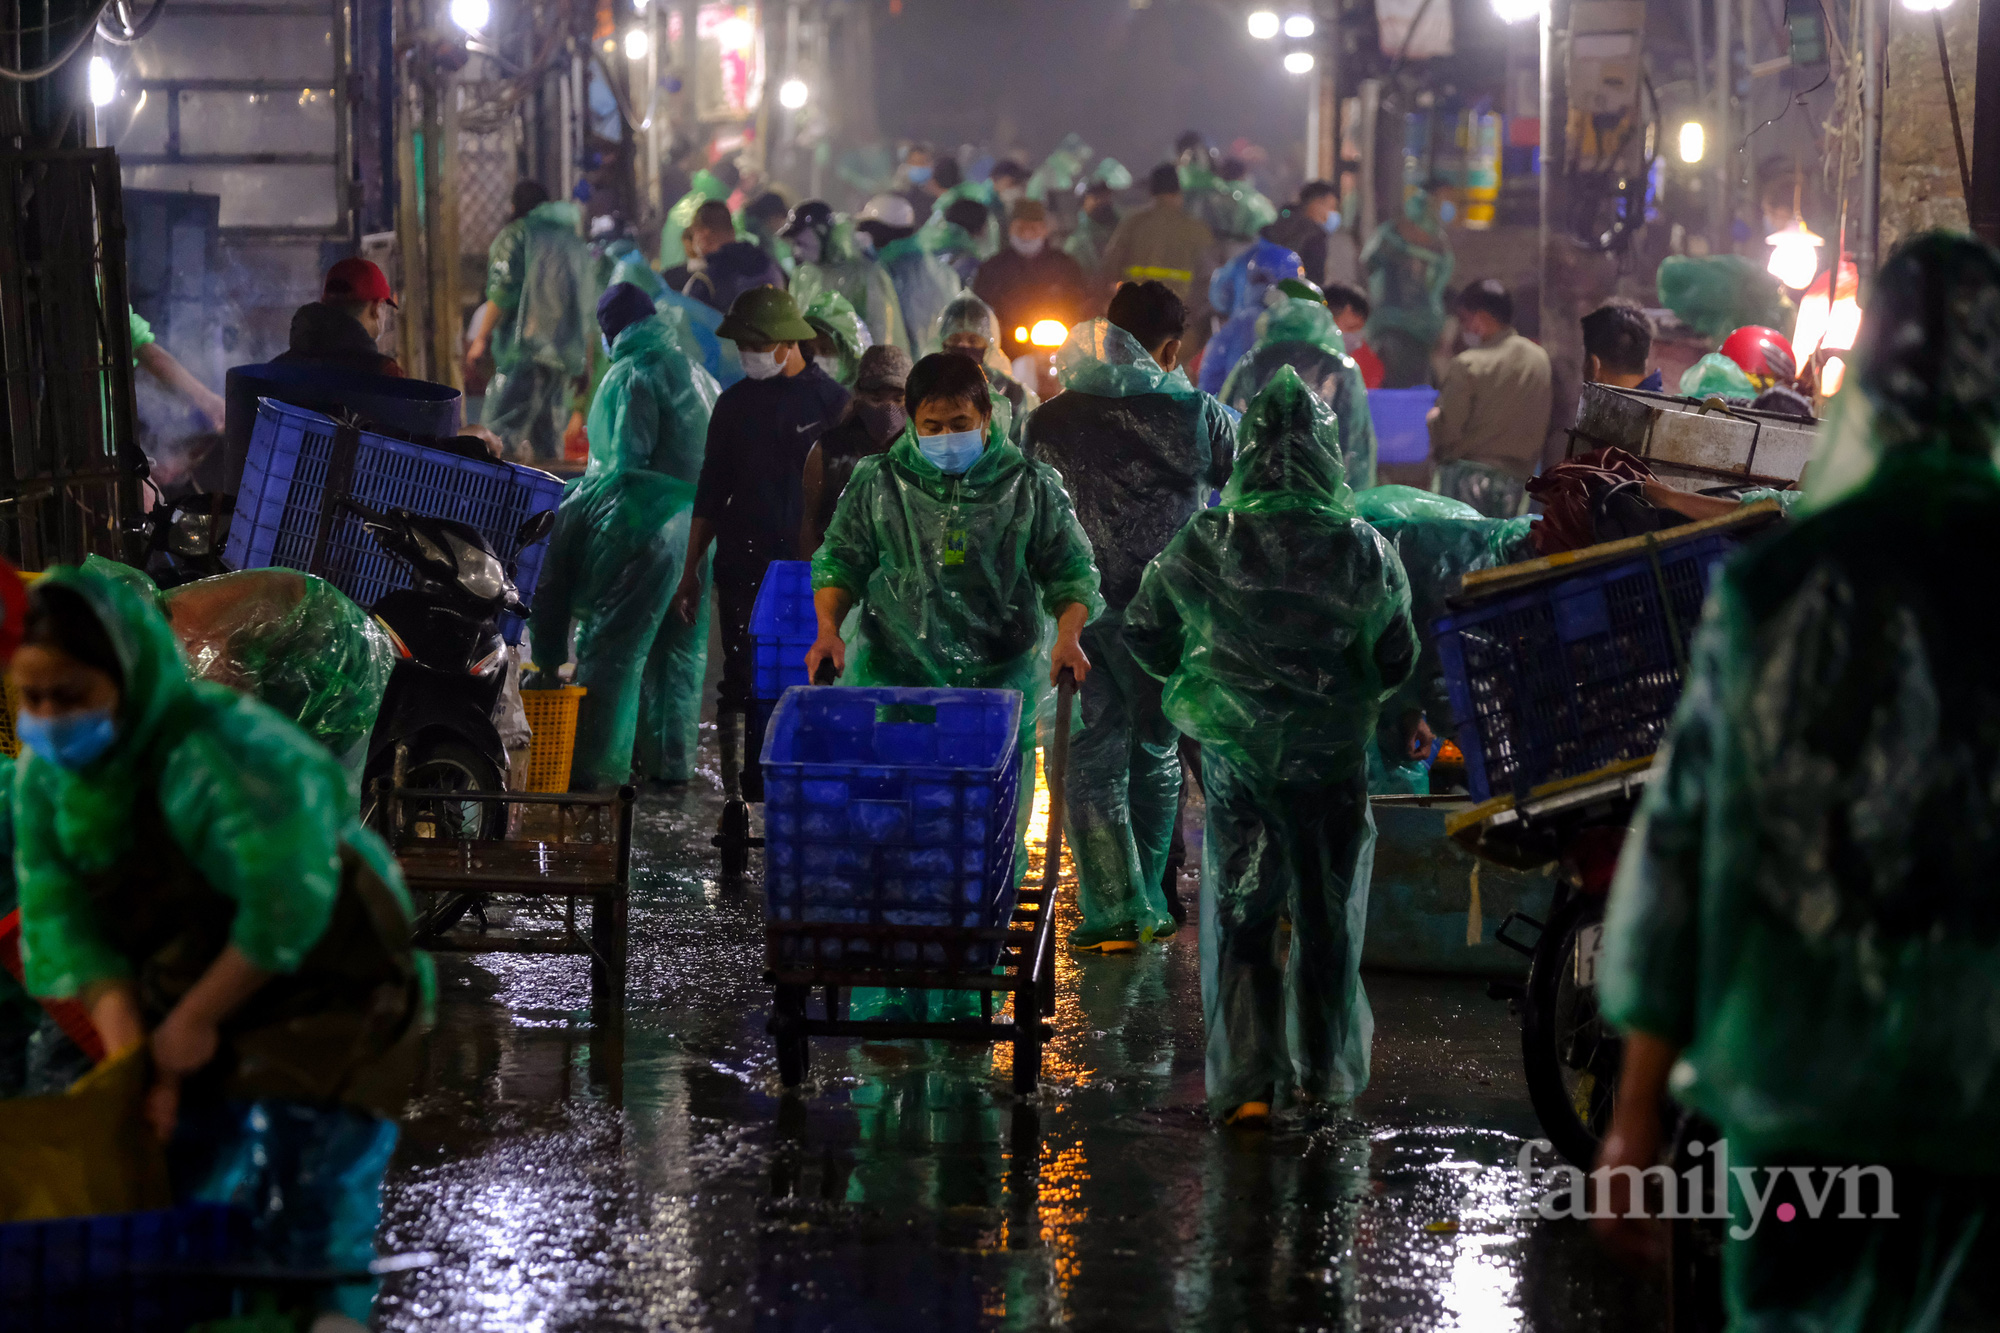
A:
617	555
1280	622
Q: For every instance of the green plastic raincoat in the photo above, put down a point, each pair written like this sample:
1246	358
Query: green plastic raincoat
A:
214	821
1718	294
1280	622
294	641
1012	400
1139	449
956	580
831	314
1226	206
703	187
1301	334
924	285
1716	374
1439	541
1408	262
865	284
1060	170
614	562
1804	906
540	274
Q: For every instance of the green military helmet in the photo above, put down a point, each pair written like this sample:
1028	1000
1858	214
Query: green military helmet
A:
765	315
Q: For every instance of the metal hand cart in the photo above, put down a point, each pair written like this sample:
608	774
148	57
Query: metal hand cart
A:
1025	967
556	849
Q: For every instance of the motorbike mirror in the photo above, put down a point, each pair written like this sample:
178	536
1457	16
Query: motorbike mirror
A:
534	528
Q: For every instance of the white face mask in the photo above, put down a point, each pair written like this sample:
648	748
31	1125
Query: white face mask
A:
1027	246
805	247
762	365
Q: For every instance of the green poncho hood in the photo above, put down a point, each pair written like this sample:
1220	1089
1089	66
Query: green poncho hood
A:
1290	454
155	676
651	410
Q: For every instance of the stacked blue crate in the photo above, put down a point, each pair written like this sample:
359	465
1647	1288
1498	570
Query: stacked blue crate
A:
279	500
891	807
117	1271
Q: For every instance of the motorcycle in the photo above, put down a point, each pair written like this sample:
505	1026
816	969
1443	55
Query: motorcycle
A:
185	538
435	730
1037	369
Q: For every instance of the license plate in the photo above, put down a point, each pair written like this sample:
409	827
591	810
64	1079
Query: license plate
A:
1589	944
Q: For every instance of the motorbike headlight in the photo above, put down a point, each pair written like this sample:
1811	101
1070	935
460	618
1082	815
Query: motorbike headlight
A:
1048	333
479	572
192	534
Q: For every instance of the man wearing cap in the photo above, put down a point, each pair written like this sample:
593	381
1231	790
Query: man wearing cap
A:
1031	280
748	500
341	327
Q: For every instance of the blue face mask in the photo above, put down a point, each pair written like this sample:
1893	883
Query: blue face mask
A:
68	740
953	453
1331	225
918	175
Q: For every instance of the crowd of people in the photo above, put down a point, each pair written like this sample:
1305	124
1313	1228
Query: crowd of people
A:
1208	557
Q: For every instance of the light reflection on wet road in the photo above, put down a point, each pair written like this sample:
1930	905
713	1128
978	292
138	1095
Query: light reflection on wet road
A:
674	1189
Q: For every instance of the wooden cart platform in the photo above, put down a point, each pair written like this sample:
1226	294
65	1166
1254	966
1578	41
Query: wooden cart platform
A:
557	849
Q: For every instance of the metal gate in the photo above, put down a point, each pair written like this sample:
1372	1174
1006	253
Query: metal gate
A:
69	466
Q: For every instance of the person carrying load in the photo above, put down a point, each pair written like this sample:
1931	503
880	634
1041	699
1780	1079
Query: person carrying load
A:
191	868
957	552
616	556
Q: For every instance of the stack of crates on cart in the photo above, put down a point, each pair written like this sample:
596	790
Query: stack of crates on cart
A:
890	807
285	515
782	629
1576	672
150	1272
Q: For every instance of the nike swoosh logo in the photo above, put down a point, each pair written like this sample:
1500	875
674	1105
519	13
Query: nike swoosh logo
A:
810	425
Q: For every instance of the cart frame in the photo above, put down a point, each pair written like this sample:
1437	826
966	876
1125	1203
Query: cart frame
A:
548	858
1026	967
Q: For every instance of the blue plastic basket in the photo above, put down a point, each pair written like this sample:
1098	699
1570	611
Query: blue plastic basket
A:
1567	677
782	628
890	807
1401	433
114	1271
284	481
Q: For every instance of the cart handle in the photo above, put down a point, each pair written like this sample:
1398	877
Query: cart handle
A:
826	674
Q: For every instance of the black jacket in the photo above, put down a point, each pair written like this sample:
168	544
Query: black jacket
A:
1303	237
758	438
1022	290
325	335
731	271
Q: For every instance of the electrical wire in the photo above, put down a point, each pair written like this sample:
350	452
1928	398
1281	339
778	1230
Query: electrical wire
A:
84	34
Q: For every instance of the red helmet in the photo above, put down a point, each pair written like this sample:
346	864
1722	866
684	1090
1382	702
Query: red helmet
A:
1765	355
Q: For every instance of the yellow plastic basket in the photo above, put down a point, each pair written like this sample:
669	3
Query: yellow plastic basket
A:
552	717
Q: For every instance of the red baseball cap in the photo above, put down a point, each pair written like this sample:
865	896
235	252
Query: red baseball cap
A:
356	279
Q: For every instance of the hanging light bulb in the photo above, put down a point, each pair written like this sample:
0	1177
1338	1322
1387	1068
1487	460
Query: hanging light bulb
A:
1298	26
1794	255
1298	62
103	82
472	15
792	94
1517	11
637	43
1263	25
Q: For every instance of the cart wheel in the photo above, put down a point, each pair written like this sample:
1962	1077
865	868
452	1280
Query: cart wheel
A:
1570	1054
787	1025
734	838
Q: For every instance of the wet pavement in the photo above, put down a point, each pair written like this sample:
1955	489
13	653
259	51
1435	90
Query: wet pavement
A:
565	1188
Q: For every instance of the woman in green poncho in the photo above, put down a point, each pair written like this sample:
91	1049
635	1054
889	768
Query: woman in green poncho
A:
958	551
190	867
1803	928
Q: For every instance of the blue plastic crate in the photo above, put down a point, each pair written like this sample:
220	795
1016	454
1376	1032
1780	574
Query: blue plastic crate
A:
1401	433
891	806
1564	678
115	1271
782	628
284	480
